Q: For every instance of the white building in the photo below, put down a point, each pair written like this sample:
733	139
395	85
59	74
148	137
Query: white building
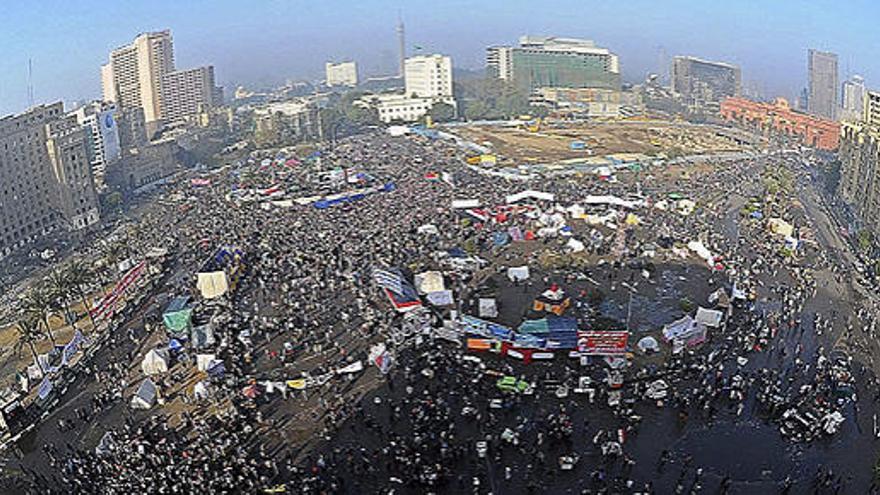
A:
341	74
102	136
428	76
854	96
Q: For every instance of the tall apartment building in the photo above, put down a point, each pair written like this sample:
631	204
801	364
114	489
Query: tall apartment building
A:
133	75
703	83
549	62
428	76
102	132
854	95
823	84
187	93
341	74
45	178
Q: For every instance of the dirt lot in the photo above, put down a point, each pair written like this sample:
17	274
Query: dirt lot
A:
551	142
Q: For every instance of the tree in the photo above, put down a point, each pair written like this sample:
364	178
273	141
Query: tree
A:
29	335
442	112
37	303
80	276
865	239
113	200
59	289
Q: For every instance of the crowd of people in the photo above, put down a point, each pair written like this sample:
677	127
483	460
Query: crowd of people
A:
307	305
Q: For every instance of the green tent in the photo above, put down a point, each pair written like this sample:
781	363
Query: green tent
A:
177	315
511	384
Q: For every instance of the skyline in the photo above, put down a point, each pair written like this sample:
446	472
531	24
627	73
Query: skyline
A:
277	40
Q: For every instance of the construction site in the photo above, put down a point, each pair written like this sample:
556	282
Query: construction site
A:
537	141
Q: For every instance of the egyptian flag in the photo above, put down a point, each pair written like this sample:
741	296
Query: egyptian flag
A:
400	291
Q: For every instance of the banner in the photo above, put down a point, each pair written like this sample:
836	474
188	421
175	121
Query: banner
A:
599	343
107	305
71	348
45	388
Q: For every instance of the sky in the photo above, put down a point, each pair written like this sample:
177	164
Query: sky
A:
266	42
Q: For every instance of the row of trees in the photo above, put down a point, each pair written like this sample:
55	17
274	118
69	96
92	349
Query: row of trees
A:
54	295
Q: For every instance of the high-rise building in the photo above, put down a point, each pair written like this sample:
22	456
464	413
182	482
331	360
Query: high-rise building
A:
428	76
401	48
549	62
854	95
133	76
45	178
341	74
860	163
102	133
703	83
186	93
823	84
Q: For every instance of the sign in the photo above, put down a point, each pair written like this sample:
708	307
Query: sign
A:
602	343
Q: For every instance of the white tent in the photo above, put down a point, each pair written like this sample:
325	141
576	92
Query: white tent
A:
212	284
648	344
146	395
514	198
575	245
488	308
709	317
201	391
440	298
518	273
426	282
203	361
428	228
155	362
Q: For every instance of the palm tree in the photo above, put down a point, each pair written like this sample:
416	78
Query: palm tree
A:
29	335
80	276
37	303
60	289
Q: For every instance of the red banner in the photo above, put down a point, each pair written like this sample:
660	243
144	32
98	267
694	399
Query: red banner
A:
607	343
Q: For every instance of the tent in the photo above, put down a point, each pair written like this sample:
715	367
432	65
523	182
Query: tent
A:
488	308
431	281
575	245
440	298
678	328
202	336
204	361
155	362
709	317
518	273
201	391
428	228
146	395
647	344
780	227
177	315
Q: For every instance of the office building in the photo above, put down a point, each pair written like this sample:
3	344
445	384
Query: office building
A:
702	84
341	74
823	84
428	76
860	163
779	120
555	63
102	136
45	178
133	75
854	95
427	81
187	93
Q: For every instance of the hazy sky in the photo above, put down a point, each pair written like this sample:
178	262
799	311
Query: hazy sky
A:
269	41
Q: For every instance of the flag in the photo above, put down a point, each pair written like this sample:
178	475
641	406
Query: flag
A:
380	356
388	280
400	292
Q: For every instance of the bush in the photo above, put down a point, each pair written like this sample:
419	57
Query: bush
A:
686	305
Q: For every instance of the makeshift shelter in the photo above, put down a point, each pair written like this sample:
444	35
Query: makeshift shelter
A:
648	344
488	308
146	396
155	362
201	391
178	316
205	361
709	317
426	282
575	245
678	328
552	300
440	298
202	336
518	273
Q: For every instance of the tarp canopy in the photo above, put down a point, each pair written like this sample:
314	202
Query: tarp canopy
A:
431	281
203	361
709	317
212	284
575	245
518	273
488	308
678	328
780	227
155	362
465	203
440	298
177	315
700	250
530	194
146	395
201	391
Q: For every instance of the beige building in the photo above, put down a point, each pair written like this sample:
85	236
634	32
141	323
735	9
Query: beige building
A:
341	74
45	178
133	75
428	76
187	93
859	154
